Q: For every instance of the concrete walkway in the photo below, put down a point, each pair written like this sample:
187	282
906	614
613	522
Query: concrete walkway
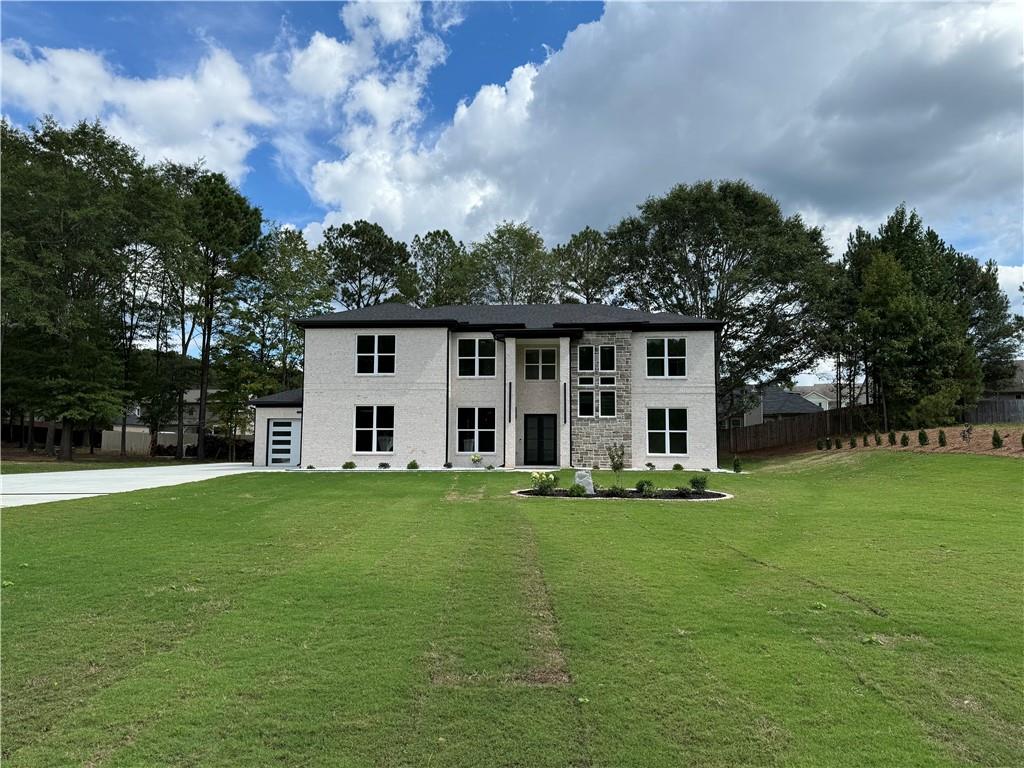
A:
40	487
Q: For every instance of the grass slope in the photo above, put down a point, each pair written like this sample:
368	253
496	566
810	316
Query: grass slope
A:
844	609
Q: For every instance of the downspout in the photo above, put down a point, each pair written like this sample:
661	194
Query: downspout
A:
504	408
447	390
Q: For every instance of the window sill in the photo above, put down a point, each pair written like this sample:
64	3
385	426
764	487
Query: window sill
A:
492	377
479	453
373	453
374	375
672	378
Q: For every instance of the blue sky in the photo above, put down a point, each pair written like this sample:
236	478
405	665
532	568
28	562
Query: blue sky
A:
459	115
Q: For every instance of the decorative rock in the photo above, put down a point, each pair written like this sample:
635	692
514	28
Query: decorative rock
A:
583	478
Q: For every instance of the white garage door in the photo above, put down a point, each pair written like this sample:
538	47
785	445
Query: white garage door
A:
283	442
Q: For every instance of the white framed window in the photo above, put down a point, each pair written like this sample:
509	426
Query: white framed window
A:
476	430
541	364
606	381
586	381
666	431
476	358
606	360
375	355
585	408
666	358
375	429
607	404
585	358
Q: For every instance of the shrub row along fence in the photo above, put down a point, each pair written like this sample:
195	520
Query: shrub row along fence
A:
803	428
996	411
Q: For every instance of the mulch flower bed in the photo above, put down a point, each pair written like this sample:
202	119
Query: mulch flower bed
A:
663	494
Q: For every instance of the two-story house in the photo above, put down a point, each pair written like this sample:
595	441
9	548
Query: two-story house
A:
517	385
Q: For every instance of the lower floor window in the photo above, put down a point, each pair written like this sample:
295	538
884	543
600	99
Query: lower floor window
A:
607	404
586	407
375	429
666	431
476	430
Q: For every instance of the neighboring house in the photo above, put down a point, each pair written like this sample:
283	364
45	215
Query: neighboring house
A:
519	385
190	417
774	404
824	396
1012	388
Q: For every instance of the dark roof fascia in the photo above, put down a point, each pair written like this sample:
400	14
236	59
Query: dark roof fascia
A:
312	322
644	325
573	332
276	404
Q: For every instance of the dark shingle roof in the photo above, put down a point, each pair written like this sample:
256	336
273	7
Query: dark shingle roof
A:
279	399
505	316
775	400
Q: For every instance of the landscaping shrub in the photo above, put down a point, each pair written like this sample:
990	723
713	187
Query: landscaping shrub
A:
699	482
1022	441
828	443
997	439
412	465
543	482
892	437
383	465
922	437
904	440
821	444
490	466
878	439
447	465
646	489
650	465
349	465
617	491
942	438
865	439
853	441
737	466
838	443
576	490
310	466
677	467
477	459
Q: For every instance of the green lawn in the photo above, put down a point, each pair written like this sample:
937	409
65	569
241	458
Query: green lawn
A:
79	463
844	609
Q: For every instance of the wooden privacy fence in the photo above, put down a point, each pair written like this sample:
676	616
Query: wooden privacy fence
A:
791	430
996	411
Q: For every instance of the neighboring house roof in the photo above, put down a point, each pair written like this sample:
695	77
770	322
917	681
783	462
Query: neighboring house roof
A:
507	317
828	391
1016	382
778	401
279	399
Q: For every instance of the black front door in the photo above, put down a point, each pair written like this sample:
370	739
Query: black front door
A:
539	439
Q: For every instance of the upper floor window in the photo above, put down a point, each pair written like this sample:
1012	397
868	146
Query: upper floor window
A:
666	357
476	430
375	428
607	358
541	364
375	354
607	404
476	357
586	358
666	431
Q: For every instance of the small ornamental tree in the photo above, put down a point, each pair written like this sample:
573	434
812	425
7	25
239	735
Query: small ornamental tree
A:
997	439
853	441
737	466
617	460
839	442
922	437
904	440
821	444
892	437
865	441
828	443
942	438
878	439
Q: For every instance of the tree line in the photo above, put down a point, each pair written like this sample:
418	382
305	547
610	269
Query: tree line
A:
127	284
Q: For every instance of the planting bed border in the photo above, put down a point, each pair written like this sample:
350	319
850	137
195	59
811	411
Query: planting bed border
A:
527	493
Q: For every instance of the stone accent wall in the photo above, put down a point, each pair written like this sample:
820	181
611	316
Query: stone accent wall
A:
592	436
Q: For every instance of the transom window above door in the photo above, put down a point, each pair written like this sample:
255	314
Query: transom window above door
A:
375	355
666	358
541	364
476	430
476	358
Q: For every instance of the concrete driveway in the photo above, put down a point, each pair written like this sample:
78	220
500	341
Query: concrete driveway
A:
39	487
